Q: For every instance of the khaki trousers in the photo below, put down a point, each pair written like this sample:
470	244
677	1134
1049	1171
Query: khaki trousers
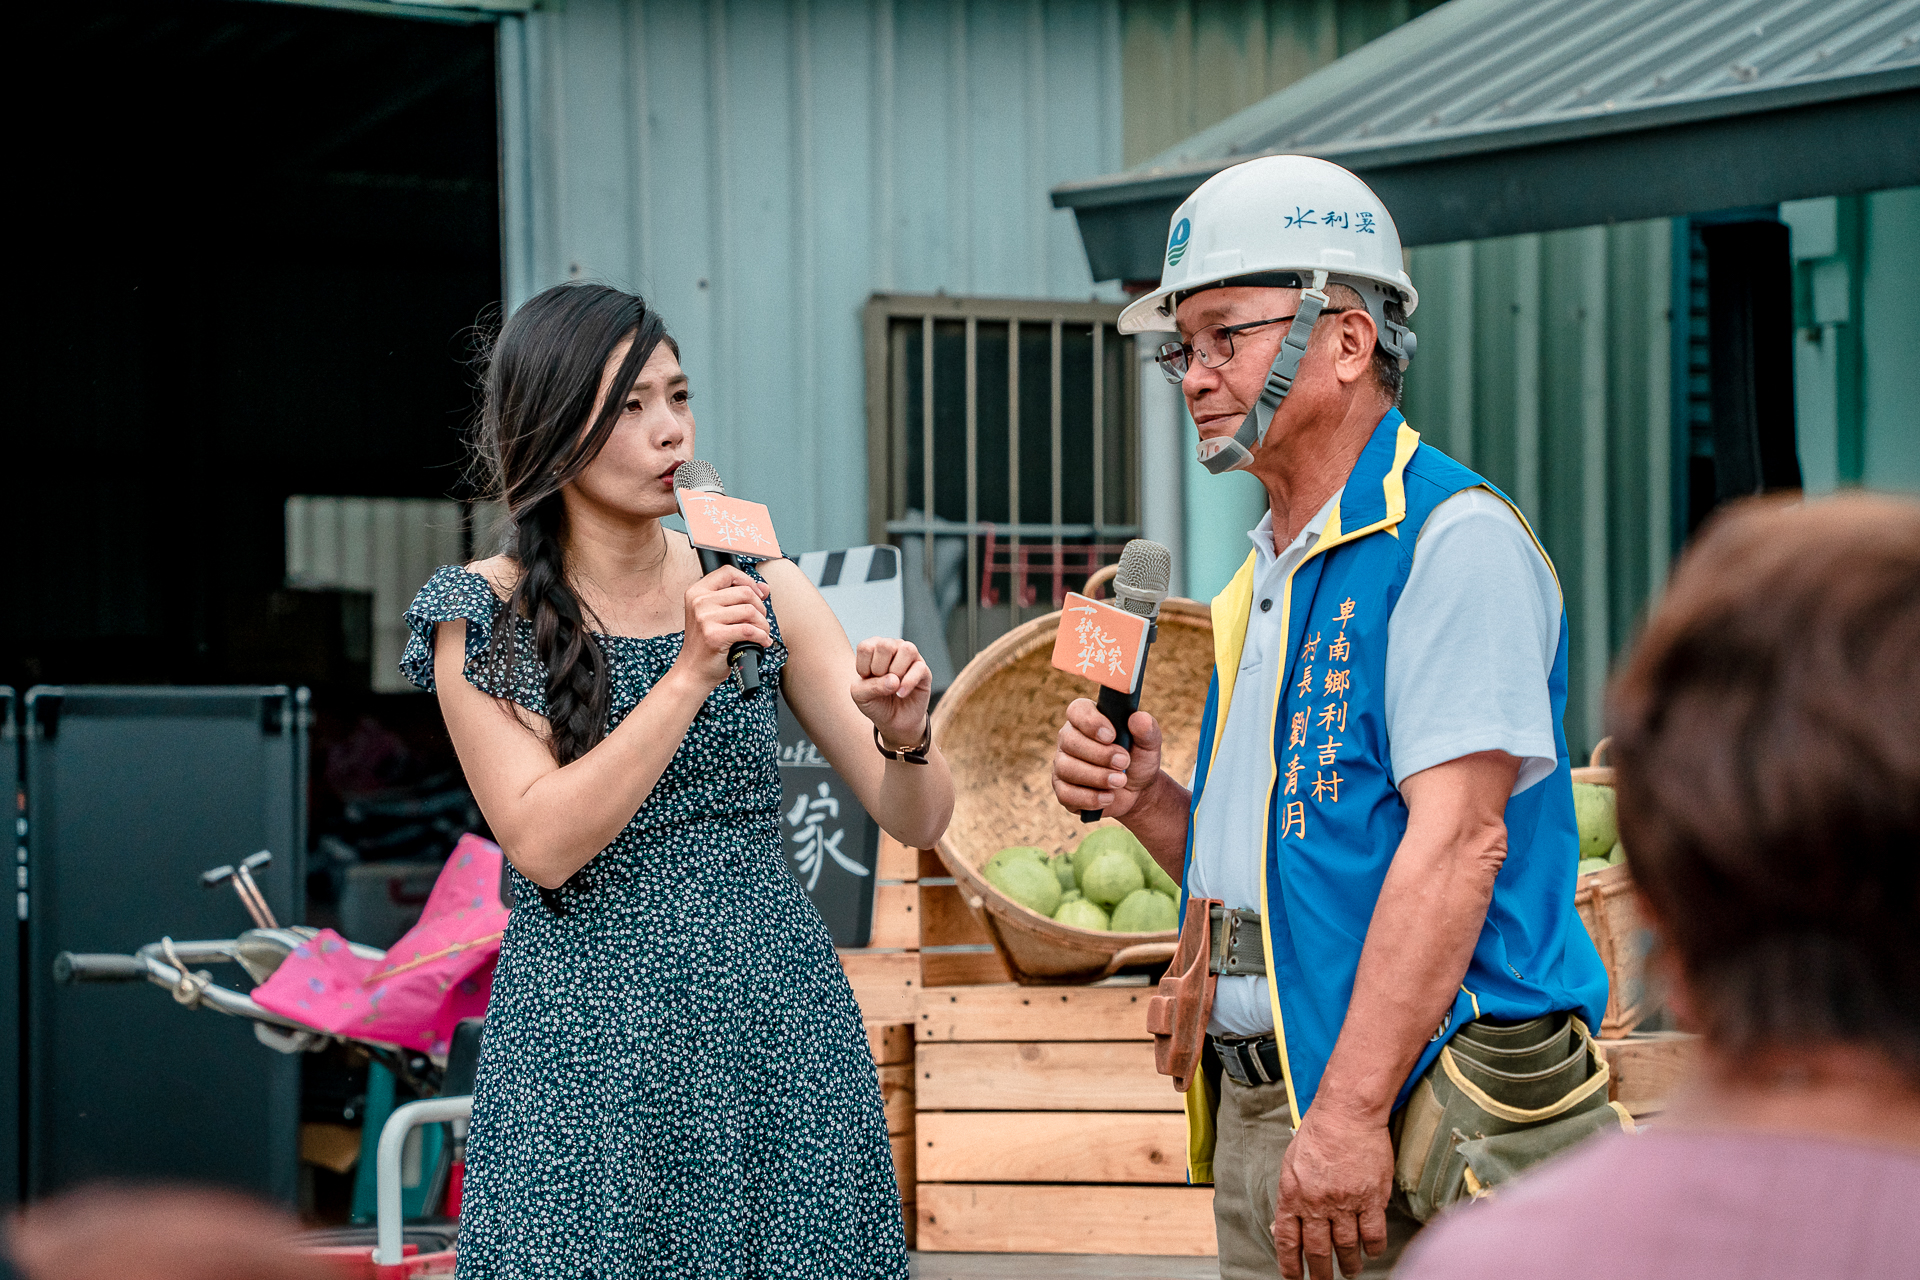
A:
1252	1129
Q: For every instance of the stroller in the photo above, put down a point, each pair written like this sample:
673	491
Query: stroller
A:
408	1008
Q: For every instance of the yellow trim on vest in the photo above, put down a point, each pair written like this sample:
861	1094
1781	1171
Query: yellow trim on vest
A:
1200	1104
1231	610
1472	997
1626	1118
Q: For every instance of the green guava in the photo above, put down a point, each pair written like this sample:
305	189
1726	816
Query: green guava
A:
1593	813
1618	856
1081	914
1063	870
1016	853
1028	882
1589	865
1110	877
1144	911
1099	841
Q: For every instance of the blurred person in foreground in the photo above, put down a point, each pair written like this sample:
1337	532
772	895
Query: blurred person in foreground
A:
1766	734
119	1232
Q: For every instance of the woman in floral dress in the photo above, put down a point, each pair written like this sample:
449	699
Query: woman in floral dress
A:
674	1081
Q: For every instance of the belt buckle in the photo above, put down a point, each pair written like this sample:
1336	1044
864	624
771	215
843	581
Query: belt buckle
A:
1244	1055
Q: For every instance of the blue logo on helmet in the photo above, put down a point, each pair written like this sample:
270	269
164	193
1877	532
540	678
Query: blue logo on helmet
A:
1177	245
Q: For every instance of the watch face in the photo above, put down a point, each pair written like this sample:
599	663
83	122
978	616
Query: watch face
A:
832	846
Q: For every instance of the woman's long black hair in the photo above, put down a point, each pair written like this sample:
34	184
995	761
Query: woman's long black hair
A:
540	427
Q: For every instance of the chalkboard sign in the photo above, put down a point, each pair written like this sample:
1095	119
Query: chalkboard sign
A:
832	845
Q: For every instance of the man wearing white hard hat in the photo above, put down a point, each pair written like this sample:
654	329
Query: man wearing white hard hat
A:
1381	965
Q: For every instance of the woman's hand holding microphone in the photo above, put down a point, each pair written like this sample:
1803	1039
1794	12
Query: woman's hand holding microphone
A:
724	608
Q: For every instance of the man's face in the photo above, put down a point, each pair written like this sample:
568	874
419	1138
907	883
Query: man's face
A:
1219	398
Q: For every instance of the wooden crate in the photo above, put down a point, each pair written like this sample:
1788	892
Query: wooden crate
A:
1041	1126
1648	1067
921	936
892	1047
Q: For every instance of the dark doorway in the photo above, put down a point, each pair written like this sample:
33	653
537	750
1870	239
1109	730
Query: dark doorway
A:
257	236
1741	348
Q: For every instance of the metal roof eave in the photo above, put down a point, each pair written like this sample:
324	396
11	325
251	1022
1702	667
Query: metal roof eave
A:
1162	181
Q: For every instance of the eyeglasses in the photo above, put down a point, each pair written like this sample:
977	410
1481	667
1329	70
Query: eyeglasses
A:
1213	346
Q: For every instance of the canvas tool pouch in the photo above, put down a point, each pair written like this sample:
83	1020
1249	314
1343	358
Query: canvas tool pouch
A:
1499	1099
1182	1005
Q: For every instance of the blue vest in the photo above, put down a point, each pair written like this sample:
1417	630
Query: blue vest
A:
1335	817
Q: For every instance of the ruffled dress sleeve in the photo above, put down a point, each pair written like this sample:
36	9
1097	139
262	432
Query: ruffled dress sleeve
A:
456	593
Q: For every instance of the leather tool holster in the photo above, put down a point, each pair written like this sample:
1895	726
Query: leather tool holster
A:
1182	1005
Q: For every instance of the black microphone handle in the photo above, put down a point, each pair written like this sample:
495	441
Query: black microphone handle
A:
1118	708
744	655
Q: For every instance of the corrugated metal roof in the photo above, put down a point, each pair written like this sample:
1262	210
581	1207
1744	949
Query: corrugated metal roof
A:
1476	75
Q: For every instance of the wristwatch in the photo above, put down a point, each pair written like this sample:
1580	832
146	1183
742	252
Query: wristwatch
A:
912	755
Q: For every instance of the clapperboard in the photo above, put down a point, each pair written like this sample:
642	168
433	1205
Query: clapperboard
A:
832	844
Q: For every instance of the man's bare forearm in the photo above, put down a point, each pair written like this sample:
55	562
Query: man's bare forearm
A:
1158	819
1431	909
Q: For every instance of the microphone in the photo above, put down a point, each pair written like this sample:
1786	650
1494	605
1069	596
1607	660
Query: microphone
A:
745	655
1146	571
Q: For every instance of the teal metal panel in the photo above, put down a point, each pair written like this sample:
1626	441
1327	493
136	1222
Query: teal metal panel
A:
758	168
1857	324
1545	364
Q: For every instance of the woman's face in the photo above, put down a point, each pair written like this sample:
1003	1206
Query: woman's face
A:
633	473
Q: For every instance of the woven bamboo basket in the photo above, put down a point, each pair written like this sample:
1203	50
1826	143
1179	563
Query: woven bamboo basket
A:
1607	907
998	727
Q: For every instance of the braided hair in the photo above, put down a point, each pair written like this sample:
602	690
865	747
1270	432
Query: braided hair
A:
540	427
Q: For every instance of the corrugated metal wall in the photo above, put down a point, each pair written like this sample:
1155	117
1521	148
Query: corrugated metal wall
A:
1856	382
758	168
1544	364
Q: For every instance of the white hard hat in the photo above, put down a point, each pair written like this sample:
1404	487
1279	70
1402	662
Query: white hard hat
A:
1279	215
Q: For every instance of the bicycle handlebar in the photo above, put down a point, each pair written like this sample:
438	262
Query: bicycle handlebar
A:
81	966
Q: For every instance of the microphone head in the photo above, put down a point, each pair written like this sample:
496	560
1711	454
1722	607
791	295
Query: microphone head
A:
698	476
1144	576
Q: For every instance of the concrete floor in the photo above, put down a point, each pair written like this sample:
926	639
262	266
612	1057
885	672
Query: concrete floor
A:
1059	1266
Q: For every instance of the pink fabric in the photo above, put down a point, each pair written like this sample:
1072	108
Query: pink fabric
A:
440	972
1705	1206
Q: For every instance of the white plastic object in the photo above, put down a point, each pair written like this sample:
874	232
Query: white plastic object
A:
390	1221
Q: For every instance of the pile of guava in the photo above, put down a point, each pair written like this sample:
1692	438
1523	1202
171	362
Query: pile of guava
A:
1599	830
1108	884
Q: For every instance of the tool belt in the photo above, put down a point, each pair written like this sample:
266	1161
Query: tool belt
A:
1500	1098
1214	939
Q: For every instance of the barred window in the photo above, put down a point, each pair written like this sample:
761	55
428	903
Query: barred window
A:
1003	454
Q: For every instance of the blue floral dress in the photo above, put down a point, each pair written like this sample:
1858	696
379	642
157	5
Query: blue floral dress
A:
673	1081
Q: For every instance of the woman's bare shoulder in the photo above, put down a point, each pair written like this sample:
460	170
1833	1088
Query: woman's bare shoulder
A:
501	573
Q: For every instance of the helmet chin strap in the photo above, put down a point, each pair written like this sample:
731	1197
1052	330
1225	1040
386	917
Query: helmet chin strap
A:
1235	452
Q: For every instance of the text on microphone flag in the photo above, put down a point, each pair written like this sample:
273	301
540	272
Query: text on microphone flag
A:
731	525
1100	643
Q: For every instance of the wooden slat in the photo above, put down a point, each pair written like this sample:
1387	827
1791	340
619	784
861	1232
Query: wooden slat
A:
1646	1069
903	1176
896	916
945	920
931	868
1033	1013
962	968
1051	1146
884	982
896	861
1100	1076
890	1042
962	1218
896	1095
